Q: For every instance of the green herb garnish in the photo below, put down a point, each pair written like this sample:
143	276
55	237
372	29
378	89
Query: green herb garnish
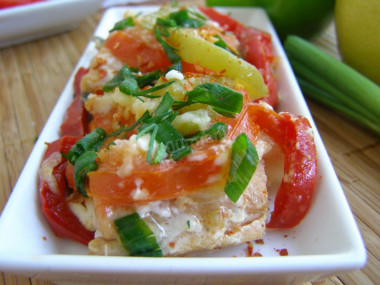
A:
223	100
183	19
217	131
244	160
84	164
136	237
121	25
161	130
169	49
92	141
129	83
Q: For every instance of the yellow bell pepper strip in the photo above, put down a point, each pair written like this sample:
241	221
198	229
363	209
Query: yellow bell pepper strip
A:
194	49
255	46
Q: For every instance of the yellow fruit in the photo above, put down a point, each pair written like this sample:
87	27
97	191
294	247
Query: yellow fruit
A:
358	35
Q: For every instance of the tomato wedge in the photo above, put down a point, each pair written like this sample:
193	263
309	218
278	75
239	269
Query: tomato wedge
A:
294	135
52	189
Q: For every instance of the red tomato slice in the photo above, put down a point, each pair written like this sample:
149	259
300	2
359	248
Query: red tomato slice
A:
75	119
256	48
167	180
74	123
77	79
294	135
138	48
228	23
52	188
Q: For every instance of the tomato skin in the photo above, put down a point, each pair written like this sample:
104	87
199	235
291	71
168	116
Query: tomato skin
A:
293	134
75	119
138	48
256	48
228	23
53	201
77	79
74	123
167	180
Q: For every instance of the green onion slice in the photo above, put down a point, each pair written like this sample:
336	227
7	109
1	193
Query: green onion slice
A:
224	100
84	164
183	19
136	237
217	131
119	77
148	78
244	160
121	25
169	49
92	141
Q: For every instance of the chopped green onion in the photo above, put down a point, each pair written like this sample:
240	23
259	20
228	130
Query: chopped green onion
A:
169	49
217	131
119	77
332	82
160	154
84	164
164	24
129	83
220	42
165	104
153	89
124	129
92	141
244	160
121	25
183	19
136	237
224	100
148	78
175	66
129	86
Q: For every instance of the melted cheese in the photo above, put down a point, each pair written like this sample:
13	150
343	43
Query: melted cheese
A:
46	171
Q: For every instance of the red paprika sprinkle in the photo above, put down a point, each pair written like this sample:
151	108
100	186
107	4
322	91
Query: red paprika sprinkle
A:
249	249
259	241
284	252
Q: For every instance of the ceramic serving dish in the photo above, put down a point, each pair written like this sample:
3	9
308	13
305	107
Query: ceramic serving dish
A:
37	20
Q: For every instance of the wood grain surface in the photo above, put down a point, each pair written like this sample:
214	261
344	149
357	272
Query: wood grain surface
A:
32	76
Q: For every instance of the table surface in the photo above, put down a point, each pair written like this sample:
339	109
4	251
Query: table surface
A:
32	76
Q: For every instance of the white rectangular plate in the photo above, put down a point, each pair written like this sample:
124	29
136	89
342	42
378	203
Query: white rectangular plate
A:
326	242
32	21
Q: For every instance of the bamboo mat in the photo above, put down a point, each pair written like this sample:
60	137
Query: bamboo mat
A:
32	76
